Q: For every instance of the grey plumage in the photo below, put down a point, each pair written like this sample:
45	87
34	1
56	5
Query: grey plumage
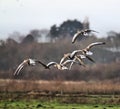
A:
82	34
30	62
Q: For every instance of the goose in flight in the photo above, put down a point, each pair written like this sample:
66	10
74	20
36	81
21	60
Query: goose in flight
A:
60	66
72	56
57	65
82	34
86	51
30	62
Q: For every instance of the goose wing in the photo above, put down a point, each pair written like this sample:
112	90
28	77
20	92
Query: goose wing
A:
67	62
89	30
64	57
51	64
81	33
40	62
74	53
80	61
89	58
94	44
17	71
85	56
76	35
74	61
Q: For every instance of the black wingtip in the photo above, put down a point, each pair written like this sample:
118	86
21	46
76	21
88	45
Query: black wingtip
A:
94	31
104	42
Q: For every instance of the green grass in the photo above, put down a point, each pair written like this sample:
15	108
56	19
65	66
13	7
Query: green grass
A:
25	101
36	104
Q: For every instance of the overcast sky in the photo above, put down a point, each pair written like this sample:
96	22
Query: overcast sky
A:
25	15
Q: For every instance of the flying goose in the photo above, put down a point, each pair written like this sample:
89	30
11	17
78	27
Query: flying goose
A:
82	33
57	65
86	51
60	66
72	56
30	62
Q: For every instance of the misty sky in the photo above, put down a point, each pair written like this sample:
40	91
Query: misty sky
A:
25	15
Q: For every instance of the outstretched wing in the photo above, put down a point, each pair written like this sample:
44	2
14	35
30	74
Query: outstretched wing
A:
67	62
89	58
89	30
64	57
17	71
51	64
72	55
82	33
79	33
80	62
94	44
44	65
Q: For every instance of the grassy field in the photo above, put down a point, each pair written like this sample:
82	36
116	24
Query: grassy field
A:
35	104
28	100
19	94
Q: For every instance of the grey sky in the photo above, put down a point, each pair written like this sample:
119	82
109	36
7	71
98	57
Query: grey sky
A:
24	15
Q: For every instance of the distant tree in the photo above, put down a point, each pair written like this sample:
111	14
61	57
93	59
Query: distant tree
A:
28	39
114	38
2	43
70	27
67	28
11	41
111	34
16	36
35	33
54	31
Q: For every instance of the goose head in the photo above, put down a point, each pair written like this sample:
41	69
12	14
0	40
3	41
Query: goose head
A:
32	62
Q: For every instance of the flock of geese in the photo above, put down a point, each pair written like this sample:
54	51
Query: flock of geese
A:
75	56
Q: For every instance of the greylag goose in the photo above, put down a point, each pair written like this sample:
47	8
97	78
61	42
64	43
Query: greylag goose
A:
72	56
60	66
81	33
30	62
86	52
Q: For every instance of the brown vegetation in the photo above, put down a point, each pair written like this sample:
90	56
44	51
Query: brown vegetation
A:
45	87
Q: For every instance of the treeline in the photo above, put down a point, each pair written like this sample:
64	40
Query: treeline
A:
107	63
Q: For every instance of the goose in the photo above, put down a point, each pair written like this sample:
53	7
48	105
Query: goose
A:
80	57
86	51
60	66
57	65
72	56
82	33
29	62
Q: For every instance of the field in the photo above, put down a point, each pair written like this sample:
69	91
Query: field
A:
22	94
52	105
38	100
